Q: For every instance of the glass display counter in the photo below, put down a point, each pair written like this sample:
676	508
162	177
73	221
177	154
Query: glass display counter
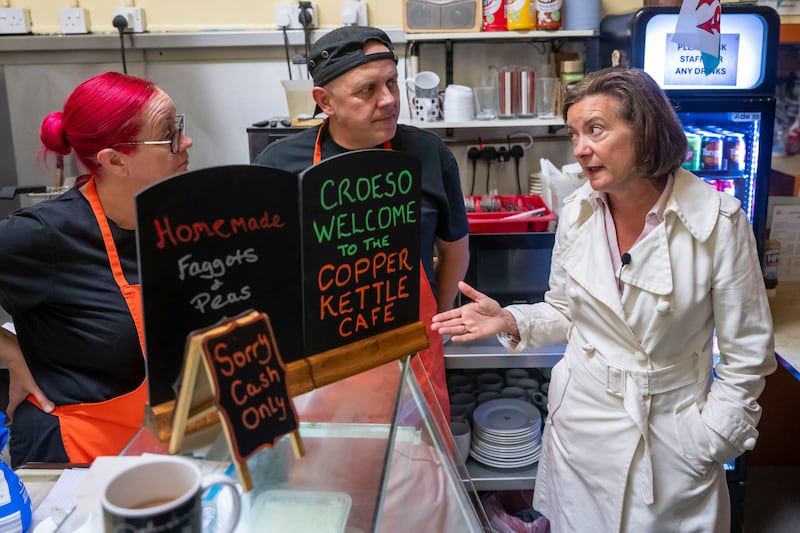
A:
377	459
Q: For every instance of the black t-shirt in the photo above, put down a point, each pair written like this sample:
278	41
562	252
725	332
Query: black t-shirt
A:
72	323
443	213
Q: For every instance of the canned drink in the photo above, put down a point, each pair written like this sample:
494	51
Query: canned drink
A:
712	157
727	186
735	151
494	15
693	151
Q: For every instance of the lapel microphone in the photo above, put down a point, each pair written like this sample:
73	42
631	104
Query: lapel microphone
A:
626	260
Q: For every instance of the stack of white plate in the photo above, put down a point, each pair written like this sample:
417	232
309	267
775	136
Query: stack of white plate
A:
506	433
535	184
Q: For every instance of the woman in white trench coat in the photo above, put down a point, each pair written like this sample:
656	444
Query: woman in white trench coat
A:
648	261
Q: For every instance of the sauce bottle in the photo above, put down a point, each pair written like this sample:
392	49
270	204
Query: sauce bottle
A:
494	15
548	14
772	254
519	15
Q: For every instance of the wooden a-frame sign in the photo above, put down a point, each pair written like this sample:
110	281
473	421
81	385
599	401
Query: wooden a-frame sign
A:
243	379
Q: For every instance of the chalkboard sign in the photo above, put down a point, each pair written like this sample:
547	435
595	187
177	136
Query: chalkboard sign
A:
332	255
361	246
212	244
250	385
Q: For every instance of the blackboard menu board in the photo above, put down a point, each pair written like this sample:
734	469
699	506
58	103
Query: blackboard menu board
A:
214	243
332	255
361	246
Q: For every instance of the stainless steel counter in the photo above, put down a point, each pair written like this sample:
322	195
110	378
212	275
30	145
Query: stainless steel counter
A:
489	353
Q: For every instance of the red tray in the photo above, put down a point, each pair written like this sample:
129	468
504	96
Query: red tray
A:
494	222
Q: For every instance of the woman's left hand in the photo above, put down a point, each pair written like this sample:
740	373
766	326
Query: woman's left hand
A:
480	318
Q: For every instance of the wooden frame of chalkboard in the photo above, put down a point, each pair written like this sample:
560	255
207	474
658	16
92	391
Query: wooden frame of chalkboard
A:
245	379
304	375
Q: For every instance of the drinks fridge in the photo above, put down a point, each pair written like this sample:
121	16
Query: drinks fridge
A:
728	116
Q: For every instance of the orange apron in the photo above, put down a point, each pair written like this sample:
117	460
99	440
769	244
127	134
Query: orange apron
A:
104	428
433	358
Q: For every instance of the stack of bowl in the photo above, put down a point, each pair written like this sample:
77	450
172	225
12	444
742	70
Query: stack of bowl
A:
458	103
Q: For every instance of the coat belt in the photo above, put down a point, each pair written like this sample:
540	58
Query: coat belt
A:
635	388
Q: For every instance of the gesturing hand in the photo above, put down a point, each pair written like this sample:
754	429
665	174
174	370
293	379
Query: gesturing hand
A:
480	318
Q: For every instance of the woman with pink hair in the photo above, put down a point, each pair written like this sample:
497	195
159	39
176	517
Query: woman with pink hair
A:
70	280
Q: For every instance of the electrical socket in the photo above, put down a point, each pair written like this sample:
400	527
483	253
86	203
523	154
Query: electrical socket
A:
290	14
74	20
354	13
14	20
312	10
135	16
502	152
283	15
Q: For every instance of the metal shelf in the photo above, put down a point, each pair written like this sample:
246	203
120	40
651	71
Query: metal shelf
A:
489	353
501	35
496	123
486	478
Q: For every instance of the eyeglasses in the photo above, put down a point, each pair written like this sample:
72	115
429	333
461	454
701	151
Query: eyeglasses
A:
174	141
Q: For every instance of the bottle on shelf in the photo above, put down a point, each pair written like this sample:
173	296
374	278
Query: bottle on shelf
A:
519	15
494	15
548	14
772	254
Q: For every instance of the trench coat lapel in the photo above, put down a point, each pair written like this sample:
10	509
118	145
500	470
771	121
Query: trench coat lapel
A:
585	258
650	267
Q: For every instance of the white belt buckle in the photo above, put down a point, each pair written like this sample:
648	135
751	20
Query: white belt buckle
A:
615	381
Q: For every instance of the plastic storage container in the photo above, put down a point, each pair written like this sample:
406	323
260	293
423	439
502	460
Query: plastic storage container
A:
481	221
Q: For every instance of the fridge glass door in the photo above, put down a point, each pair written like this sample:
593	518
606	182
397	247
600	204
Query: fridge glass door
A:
724	151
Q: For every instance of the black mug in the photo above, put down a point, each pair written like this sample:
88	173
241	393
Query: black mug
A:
162	494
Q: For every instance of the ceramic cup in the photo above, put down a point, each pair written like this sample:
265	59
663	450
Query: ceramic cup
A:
490	381
459	383
488	395
513	375
163	494
425	84
539	400
466	399
462	435
427	109
530	385
459	412
518	393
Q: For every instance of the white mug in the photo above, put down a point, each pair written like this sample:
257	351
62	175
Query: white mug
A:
163	494
427	109
425	84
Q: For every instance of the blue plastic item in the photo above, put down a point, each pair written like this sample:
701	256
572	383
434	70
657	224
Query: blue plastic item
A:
15	504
